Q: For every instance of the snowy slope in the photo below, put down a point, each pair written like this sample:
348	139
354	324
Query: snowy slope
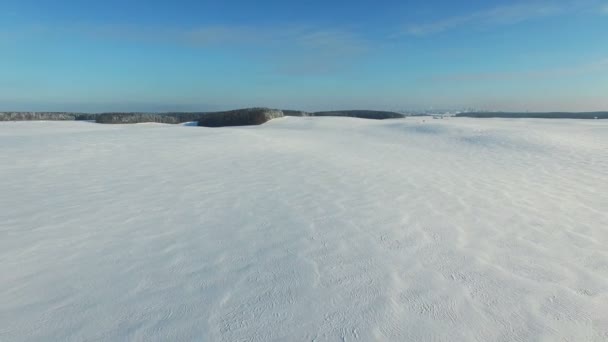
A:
305	229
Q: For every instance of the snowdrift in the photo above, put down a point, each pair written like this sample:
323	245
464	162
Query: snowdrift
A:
305	229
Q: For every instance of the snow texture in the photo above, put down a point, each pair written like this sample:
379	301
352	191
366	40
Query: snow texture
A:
305	229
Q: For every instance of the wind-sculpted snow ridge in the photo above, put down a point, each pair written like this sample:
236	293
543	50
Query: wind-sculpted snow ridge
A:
305	229
541	115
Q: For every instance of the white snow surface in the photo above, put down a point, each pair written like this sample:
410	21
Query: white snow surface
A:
305	229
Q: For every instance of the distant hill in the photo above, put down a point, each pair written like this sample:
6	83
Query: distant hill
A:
547	115
363	114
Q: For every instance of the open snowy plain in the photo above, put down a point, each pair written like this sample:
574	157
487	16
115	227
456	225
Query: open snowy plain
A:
305	229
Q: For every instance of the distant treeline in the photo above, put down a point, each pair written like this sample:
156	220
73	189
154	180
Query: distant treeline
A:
548	115
363	114
213	118
172	118
181	117
290	112
59	116
239	117
168	118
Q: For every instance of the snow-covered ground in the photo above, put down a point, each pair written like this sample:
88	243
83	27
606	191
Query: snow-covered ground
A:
305	229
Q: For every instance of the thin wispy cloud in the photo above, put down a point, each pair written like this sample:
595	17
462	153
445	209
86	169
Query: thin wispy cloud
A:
297	49
334	41
528	75
503	15
198	36
229	36
321	52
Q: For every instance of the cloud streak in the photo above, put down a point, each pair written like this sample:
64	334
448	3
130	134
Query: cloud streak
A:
577	70
321	52
295	49
304	37
497	16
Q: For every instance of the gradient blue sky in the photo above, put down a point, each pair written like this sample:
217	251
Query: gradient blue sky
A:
205	55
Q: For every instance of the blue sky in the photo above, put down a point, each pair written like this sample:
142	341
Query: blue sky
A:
205	55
